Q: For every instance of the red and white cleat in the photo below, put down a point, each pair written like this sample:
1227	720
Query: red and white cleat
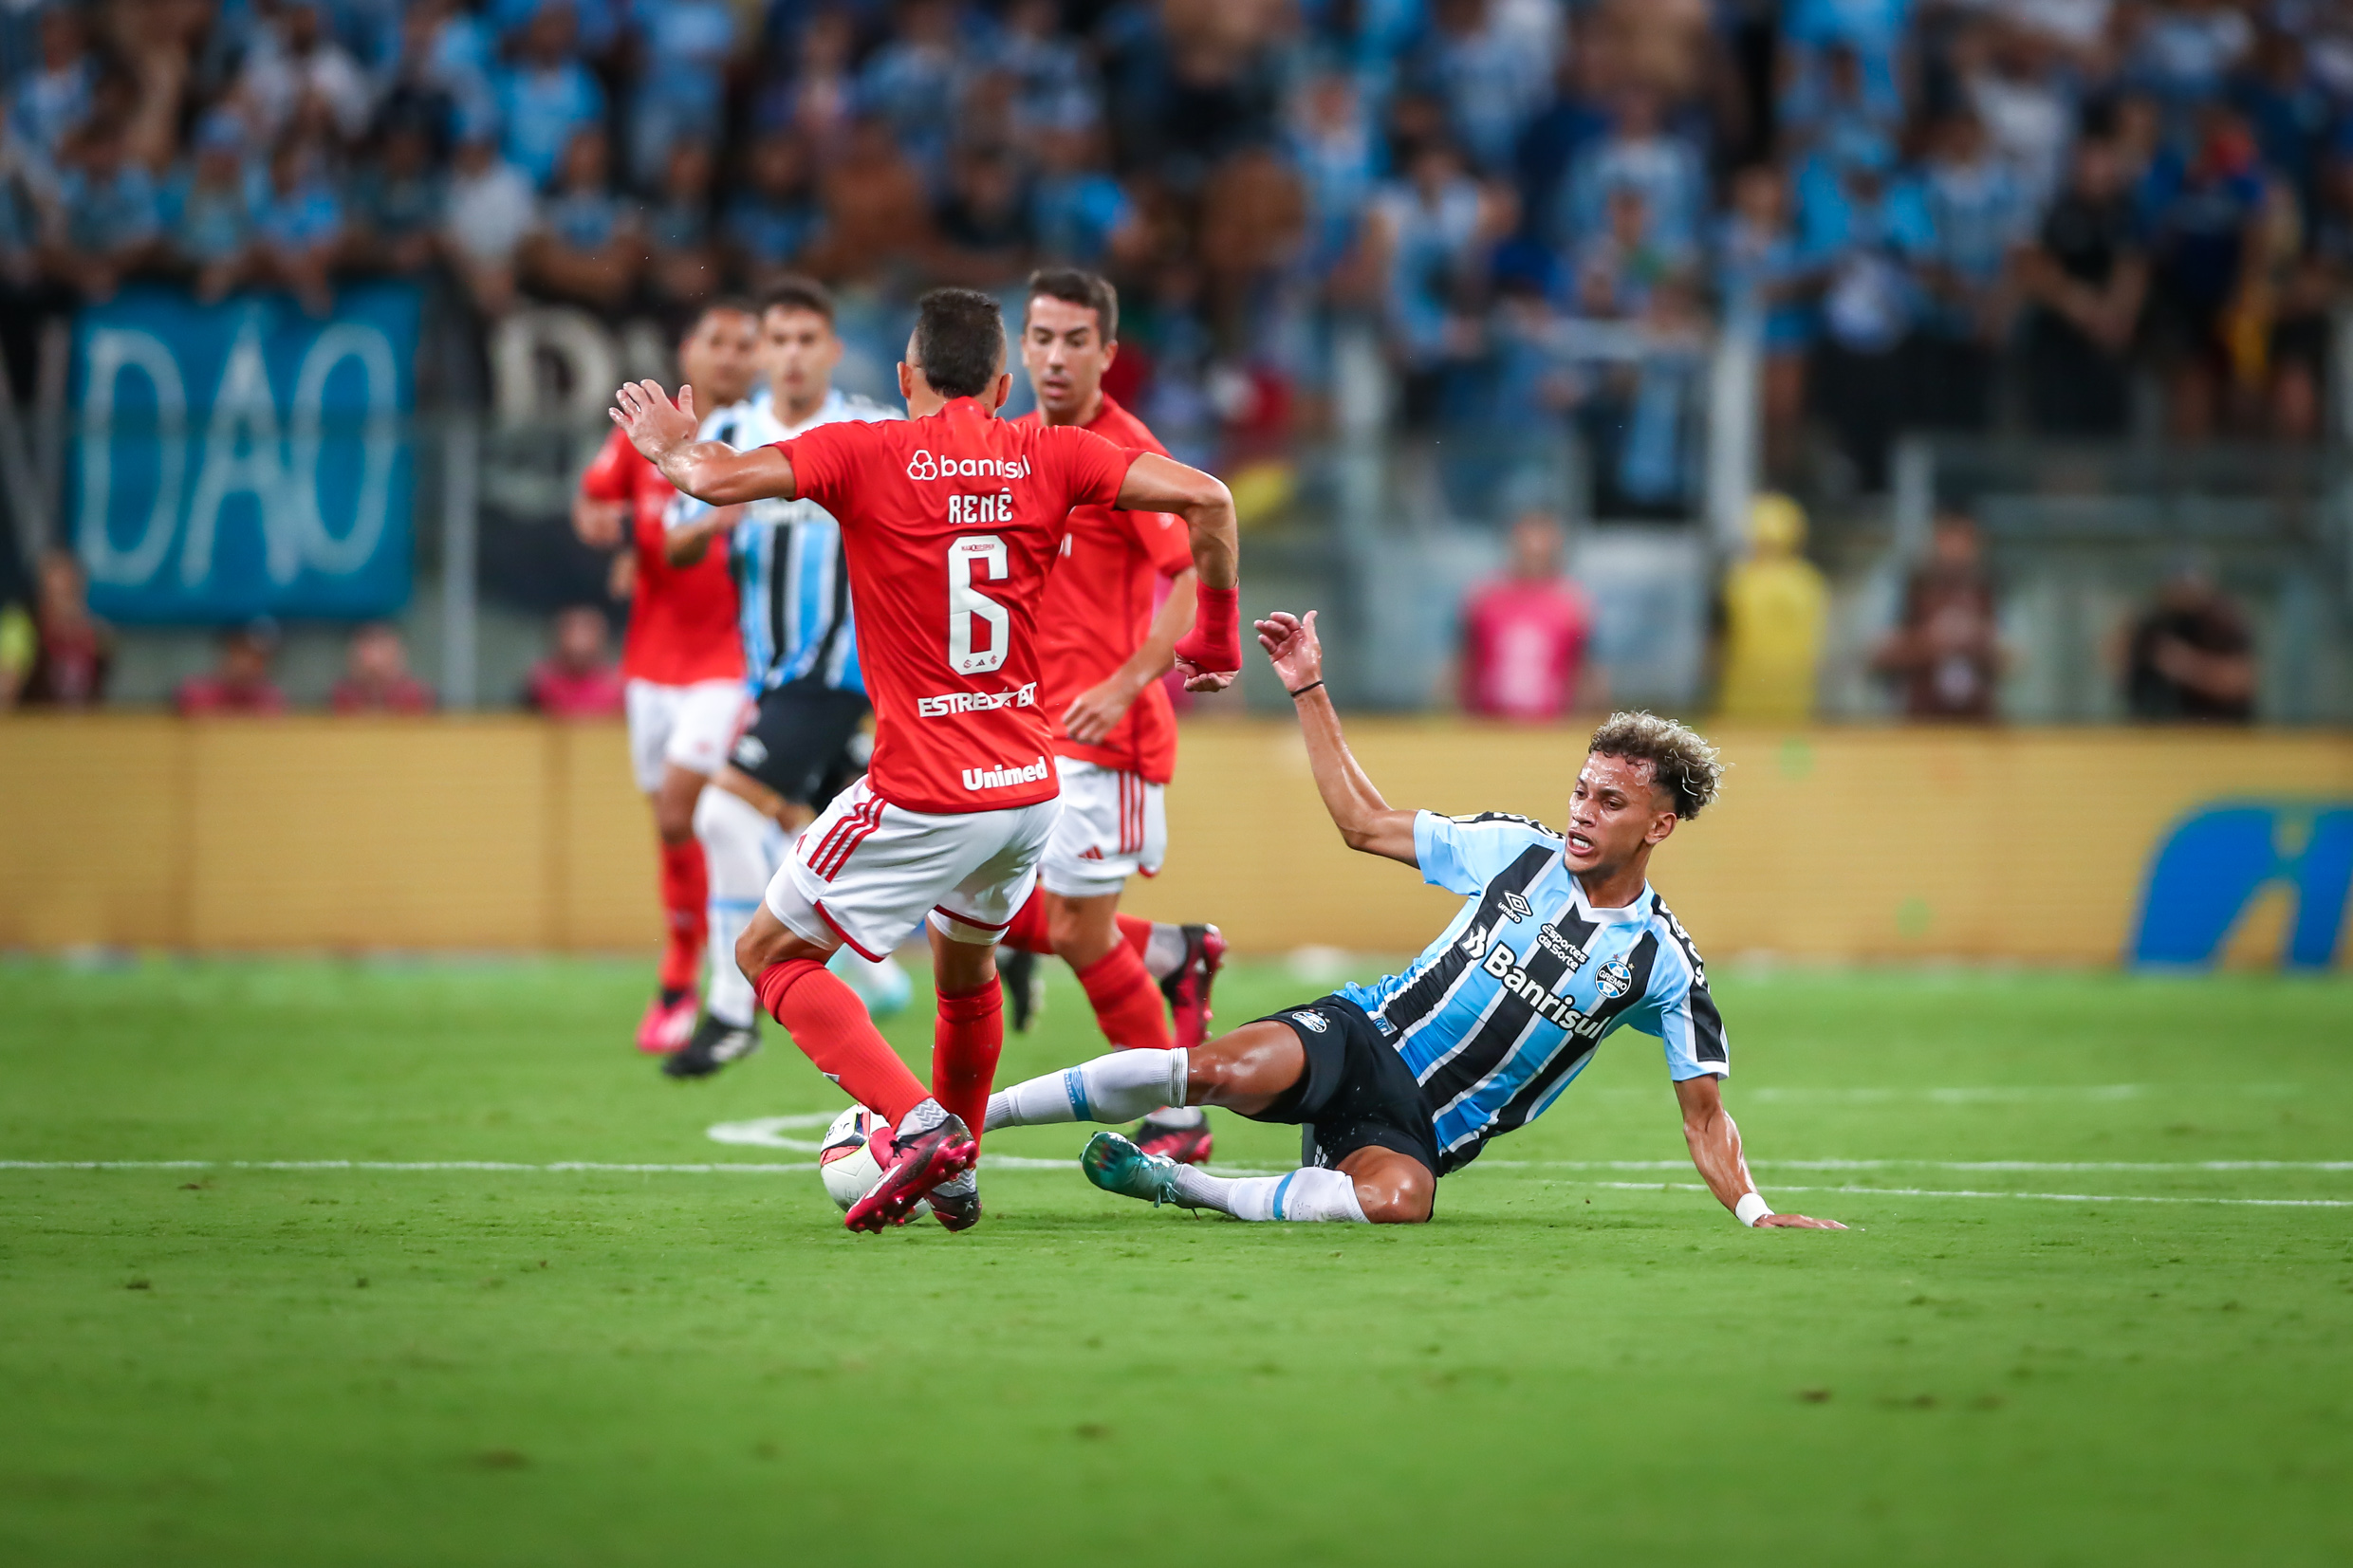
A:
1184	1145
1188	989
920	1161
667	1026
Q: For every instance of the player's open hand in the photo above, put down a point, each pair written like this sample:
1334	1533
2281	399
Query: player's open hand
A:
1094	713
656	425
1795	1222
1291	647
1198	679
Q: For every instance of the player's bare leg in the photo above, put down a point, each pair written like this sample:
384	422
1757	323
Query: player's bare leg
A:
831	1025
746	830
1245	1071
670	1017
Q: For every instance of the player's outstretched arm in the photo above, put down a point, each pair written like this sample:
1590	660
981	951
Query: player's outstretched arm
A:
707	471
1209	656
1365	820
1714	1142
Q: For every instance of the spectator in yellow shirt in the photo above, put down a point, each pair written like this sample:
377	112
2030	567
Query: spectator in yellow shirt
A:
1775	606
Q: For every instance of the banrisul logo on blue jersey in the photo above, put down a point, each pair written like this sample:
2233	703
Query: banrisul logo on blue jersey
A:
2216	860
243	458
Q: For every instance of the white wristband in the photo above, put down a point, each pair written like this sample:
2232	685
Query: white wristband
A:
1751	1208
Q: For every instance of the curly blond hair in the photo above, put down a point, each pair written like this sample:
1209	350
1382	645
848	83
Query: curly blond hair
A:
1683	762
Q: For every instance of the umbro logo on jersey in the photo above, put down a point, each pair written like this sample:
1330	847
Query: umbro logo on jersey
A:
1517	904
1312	1021
1613	979
924	466
999	778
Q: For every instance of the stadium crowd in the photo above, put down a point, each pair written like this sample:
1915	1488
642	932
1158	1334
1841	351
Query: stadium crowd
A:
2077	215
2097	190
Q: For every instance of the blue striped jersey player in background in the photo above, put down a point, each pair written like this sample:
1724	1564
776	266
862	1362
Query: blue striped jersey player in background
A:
1560	940
802	738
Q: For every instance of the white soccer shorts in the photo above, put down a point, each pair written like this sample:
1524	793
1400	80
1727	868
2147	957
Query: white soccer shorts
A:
689	727
868	872
1114	826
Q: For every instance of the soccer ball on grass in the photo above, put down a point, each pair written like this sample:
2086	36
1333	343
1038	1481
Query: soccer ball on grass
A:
847	1162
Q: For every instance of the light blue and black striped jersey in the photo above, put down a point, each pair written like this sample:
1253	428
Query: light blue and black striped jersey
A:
1502	1011
791	578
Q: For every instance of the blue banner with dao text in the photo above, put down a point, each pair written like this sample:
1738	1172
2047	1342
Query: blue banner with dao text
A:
243	458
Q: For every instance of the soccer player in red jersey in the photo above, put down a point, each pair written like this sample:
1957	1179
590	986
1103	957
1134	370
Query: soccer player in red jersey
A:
950	520
1103	649
682	661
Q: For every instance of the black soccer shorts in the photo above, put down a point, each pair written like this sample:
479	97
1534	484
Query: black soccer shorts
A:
1357	1091
800	742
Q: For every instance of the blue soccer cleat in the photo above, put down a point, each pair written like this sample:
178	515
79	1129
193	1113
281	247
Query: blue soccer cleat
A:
1116	1165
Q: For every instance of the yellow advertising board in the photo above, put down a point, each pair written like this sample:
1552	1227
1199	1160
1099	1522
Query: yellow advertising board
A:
2039	846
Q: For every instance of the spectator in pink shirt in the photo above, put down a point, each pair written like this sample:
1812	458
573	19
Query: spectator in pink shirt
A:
1525	634
376	675
578	680
240	684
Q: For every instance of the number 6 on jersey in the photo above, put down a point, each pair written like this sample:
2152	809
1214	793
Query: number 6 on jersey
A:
987	551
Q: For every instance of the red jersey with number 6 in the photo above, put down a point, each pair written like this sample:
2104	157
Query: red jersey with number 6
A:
950	523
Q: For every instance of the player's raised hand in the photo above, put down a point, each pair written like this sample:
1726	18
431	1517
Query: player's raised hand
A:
656	425
1795	1222
1292	647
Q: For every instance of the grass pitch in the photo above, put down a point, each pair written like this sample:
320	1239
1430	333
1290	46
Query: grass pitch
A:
2011	1361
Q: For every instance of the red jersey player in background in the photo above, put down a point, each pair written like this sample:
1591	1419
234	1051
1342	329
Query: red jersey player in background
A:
681	658
950	520
1102	650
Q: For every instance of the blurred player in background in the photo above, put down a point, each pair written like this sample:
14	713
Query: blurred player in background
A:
800	653
1102	650
1560	940
683	668
951	520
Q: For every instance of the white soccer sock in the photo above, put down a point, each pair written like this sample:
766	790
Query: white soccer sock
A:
1307	1193
743	848
1164	953
1119	1087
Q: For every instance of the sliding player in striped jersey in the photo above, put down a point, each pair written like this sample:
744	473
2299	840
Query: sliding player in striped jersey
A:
1560	941
801	741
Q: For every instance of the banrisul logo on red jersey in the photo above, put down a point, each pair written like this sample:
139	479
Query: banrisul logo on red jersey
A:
998	778
924	466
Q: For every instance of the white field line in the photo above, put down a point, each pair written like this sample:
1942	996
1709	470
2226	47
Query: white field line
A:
2174	1166
2044	1197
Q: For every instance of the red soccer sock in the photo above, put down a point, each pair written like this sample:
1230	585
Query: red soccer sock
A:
1028	931
966	1040
1137	932
1127	1004
830	1025
686	899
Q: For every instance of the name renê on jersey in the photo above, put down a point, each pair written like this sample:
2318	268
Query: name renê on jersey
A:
922	465
976	702
966	510
999	778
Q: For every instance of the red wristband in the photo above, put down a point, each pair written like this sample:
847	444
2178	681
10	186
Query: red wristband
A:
1214	644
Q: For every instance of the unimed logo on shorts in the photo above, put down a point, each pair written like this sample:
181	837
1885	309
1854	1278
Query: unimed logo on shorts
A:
997	778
